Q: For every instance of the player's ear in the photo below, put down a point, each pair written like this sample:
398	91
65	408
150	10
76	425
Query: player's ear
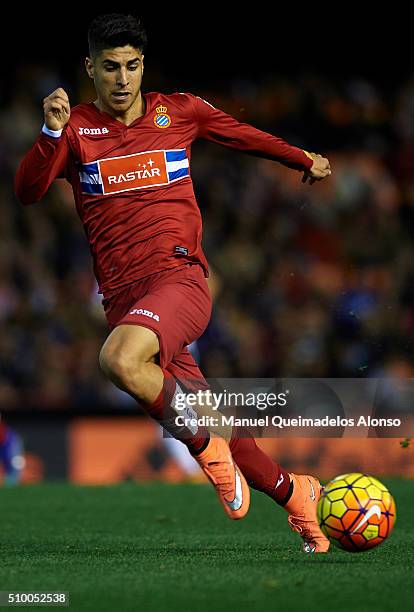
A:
89	67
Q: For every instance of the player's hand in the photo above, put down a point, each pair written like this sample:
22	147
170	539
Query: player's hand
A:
320	169
56	108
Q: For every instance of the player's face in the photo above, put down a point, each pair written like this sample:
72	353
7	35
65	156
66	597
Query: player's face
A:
117	74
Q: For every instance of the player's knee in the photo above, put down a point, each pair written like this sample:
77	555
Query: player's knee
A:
125	369
125	354
115	364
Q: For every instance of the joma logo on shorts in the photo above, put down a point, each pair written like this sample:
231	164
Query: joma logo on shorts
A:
146	313
93	131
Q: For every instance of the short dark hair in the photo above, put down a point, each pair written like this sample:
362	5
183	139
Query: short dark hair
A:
115	30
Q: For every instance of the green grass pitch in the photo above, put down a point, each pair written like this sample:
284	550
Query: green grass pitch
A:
170	547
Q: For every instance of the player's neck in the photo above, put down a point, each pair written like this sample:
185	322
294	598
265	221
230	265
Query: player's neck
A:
134	112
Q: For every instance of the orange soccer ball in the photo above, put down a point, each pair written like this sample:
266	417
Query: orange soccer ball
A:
356	512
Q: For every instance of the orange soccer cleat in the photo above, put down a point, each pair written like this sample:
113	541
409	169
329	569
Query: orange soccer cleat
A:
231	486
302	513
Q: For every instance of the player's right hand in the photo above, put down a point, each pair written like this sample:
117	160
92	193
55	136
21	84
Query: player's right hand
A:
56	109
320	169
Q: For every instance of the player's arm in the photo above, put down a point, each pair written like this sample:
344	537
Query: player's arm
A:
48	157
217	126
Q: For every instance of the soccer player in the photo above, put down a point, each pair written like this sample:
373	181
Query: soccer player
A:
127	157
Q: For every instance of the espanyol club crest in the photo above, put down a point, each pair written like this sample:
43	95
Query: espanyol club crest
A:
161	119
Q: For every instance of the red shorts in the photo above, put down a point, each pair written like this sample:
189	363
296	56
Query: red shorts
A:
176	305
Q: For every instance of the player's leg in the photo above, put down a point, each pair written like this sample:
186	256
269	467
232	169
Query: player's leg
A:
216	459
173	312
128	358
129	362
298	494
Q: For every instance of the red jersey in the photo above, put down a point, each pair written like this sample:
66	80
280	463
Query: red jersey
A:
132	184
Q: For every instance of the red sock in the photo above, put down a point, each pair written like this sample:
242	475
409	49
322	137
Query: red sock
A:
261	472
162	411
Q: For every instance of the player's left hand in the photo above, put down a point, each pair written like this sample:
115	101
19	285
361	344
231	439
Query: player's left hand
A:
320	169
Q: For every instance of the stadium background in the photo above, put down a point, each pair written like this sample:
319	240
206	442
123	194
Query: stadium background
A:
311	282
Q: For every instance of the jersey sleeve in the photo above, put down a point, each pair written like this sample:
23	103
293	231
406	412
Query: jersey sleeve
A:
46	161
217	126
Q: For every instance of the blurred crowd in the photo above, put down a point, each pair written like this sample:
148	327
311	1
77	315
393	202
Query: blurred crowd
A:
312	281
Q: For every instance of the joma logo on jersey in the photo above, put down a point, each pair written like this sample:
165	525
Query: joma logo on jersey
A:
146	313
93	131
